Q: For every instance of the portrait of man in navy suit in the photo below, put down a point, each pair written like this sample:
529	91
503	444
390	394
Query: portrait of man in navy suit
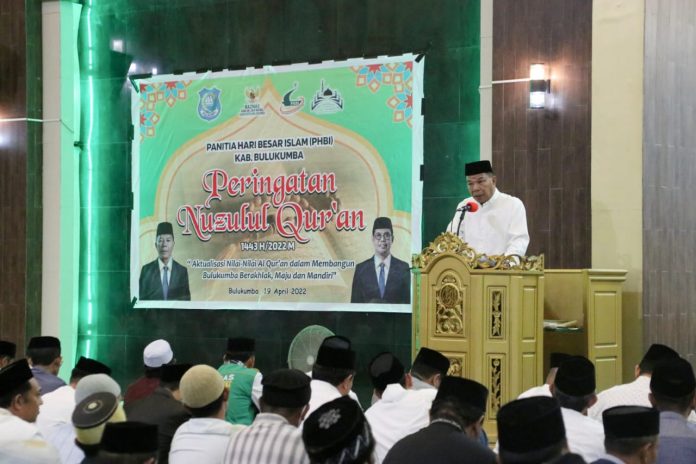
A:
383	278
164	278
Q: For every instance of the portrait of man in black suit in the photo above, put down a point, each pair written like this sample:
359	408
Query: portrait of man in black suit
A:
383	278
164	278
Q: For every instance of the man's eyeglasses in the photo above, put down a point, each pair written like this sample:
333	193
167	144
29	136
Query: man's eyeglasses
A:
379	237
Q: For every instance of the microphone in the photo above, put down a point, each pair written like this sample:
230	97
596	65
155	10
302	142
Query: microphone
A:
469	207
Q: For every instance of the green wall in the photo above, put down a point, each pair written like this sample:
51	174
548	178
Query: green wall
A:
186	35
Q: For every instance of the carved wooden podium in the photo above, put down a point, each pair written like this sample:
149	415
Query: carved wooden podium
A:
485	313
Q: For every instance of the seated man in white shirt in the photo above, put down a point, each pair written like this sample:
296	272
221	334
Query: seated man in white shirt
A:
545	390
428	369
58	405
634	393
204	437
333	372
499	225
400	411
20	398
531	430
574	388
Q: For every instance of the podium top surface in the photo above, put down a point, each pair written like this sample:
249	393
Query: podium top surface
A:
448	243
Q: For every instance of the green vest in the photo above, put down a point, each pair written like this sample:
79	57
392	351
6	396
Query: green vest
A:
239	379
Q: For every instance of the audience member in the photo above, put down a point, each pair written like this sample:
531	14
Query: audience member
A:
456	420
242	380
274	435
204	437
155	355
45	359
73	444
129	443
163	408
401	411
555	360
89	419
58	405
574	388
338	433
630	435
333	372
634	393
531	431
672	388
428	369
8	350
20	399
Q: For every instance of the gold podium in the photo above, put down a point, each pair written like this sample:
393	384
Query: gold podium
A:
485	313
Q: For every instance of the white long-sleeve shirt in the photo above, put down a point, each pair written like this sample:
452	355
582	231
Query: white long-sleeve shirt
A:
399	413
585	436
499	227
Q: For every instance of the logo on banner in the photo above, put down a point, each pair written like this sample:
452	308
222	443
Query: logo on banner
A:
326	100
209	106
252	107
290	106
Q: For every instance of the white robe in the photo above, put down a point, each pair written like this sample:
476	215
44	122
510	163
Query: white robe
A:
585	435
399	413
201	440
21	442
499	227
57	408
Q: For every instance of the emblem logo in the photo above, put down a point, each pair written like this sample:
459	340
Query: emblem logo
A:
290	106
326	100
252	106
209	106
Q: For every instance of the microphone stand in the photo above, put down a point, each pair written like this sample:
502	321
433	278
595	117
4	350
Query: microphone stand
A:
461	219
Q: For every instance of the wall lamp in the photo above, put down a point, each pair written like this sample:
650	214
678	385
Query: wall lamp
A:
539	85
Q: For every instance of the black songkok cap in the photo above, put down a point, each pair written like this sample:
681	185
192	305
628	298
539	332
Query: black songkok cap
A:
631	422
8	349
433	359
576	376
173	372
673	378
465	391
338	432
335	351
556	358
92	366
129	438
44	342
286	388
529	424
14	375
382	223
241	345
478	167
94	410
658	352
384	369
165	228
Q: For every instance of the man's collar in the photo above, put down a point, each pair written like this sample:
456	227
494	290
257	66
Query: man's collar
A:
495	196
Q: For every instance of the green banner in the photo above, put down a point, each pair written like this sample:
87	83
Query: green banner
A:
260	189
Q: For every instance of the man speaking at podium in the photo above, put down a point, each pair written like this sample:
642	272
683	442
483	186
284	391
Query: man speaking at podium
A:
490	221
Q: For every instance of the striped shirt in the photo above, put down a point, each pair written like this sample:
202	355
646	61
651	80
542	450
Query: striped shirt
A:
269	439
